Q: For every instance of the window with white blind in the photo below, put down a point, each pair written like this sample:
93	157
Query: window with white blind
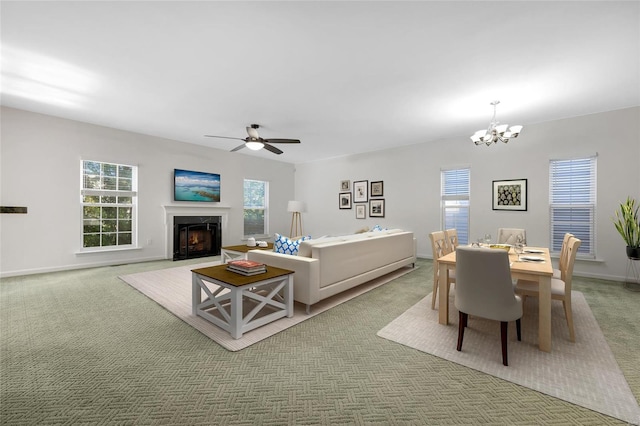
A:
572	202
454	199
109	198
256	208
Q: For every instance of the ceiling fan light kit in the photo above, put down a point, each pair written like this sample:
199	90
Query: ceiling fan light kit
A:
255	143
496	131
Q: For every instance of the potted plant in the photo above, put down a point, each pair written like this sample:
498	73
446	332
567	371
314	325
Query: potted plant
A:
627	223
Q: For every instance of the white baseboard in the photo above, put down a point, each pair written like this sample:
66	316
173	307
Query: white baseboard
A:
16	273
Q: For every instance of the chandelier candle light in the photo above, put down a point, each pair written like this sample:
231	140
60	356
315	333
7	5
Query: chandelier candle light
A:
496	131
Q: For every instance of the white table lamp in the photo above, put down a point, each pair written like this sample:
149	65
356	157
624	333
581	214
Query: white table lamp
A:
296	207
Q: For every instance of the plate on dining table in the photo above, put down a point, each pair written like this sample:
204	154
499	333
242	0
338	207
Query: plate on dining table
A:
532	258
533	251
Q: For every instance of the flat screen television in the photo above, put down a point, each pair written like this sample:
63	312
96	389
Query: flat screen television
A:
195	186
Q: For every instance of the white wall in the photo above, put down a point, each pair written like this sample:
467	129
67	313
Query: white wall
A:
40	169
411	178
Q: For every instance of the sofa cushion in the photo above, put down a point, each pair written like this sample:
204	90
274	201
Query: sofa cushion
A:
286	245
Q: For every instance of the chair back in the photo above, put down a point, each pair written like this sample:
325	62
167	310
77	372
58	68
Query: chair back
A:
439	244
483	284
511	235
566	274
452	238
562	261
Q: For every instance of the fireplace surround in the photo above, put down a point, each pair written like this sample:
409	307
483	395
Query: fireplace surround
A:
194	210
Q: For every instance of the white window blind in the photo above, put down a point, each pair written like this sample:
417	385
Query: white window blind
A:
572	202
455	201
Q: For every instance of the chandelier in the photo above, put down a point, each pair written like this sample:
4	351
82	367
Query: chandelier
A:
496	131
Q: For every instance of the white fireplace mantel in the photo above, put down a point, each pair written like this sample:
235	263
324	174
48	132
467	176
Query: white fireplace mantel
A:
172	210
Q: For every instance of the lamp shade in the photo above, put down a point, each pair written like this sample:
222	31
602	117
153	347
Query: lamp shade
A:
295	206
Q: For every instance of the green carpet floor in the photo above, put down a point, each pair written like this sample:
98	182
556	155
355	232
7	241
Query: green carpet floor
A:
83	347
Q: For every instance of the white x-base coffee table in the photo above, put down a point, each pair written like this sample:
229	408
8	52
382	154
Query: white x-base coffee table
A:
238	303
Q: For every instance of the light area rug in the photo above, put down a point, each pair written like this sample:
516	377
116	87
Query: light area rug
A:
584	373
171	289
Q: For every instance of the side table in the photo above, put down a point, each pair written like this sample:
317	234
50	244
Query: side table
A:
238	303
239	252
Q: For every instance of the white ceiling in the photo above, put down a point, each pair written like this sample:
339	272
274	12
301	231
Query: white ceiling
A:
344	77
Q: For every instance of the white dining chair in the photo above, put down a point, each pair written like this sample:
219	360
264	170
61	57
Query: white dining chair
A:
484	289
560	287
439	248
511	236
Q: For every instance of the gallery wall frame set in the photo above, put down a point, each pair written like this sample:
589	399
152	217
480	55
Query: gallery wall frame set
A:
510	194
363	192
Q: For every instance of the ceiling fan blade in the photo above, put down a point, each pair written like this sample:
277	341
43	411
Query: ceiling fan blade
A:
223	137
272	149
237	148
282	140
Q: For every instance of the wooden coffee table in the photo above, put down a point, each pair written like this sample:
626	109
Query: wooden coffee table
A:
239	252
241	303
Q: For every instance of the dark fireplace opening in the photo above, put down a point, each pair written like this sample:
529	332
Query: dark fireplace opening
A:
196	236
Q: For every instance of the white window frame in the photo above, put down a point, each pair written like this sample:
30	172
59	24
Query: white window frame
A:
103	191
265	207
573	203
455	194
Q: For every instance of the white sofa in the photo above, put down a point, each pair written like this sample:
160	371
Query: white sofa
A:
327	266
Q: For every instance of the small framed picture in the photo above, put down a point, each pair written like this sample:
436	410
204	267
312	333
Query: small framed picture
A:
510	194
376	208
361	191
377	189
345	185
344	200
361	211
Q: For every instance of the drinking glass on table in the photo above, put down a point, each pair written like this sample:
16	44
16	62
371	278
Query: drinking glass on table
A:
519	248
487	238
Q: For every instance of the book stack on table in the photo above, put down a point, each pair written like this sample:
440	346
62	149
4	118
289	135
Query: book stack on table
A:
246	267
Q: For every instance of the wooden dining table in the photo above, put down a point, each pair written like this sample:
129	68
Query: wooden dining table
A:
540	272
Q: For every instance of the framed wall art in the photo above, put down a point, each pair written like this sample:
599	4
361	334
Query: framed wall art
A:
361	191
376	208
361	211
345	185
377	189
344	200
510	194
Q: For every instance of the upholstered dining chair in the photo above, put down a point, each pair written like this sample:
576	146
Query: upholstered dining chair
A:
510	235
484	289
560	287
562	260
439	247
452	238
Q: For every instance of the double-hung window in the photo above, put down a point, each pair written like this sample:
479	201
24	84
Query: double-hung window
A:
109	199
572	202
454	199
256	208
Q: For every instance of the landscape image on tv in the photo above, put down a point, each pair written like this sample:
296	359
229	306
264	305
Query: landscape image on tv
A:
196	186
